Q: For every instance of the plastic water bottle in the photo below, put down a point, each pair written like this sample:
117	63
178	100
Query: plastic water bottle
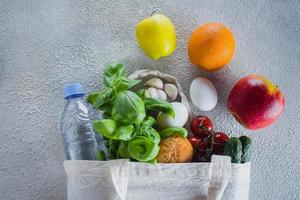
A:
102	153
76	126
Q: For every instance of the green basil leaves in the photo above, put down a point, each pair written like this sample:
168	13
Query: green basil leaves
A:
172	131
143	148
127	130
112	73
108	129
128	108
160	106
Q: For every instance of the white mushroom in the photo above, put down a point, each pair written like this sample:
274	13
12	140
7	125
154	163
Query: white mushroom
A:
155	82
161	94
171	90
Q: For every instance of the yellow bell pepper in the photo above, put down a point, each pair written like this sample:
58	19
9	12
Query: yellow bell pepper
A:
156	36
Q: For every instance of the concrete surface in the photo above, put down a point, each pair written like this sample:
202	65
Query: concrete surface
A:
46	44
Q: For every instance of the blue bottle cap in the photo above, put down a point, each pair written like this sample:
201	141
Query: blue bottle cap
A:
75	88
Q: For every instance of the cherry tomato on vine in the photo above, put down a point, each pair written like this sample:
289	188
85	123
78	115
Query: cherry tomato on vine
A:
201	126
219	141
220	137
197	142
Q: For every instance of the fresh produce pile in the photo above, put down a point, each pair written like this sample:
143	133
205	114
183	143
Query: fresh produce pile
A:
149	124
128	126
143	126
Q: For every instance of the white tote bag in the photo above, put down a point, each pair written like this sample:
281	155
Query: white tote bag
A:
121	179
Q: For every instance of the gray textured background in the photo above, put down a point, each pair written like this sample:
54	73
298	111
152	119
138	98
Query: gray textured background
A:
46	44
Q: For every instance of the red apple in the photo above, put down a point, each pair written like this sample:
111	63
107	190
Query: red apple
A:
255	102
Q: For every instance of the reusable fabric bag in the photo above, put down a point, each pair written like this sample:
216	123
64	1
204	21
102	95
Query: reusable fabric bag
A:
121	179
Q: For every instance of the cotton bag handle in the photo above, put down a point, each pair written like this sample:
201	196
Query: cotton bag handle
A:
220	176
119	170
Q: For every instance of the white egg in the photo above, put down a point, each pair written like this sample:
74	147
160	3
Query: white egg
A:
181	117
203	94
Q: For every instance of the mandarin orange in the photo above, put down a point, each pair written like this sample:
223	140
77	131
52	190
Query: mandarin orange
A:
211	46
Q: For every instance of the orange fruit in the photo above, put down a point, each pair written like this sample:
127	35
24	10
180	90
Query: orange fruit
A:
211	46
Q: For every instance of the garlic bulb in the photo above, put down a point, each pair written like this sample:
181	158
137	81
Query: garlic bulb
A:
155	82
151	93
161	94
143	74
171	90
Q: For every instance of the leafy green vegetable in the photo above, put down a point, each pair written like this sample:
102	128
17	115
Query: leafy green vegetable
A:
107	108
116	81
173	130
106	115
124	133
123	149
233	148
119	118
113	72
142	148
101	155
149	132
148	121
128	108
105	127
112	147
109	129
246	148
141	93
123	83
103	97
160	106
92	97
